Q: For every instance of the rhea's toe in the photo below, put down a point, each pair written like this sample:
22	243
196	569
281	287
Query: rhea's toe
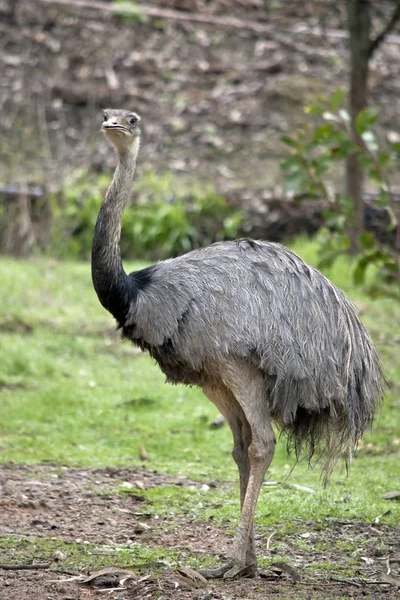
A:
230	570
216	572
239	570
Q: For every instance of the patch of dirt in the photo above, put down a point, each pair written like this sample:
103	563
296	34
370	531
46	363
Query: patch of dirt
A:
81	505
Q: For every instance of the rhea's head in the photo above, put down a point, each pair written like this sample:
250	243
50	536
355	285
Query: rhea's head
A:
121	128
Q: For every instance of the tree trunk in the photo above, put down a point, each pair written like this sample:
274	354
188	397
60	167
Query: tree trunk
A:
359	25
19	238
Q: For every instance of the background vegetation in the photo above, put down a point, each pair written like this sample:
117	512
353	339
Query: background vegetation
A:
166	218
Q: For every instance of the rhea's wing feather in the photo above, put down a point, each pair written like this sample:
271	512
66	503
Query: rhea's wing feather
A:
158	308
262	302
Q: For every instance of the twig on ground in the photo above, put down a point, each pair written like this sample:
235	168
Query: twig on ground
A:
348	581
363	582
109	590
387	563
20	567
269	539
63	572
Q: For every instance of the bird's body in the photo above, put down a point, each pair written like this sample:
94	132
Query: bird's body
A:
267	337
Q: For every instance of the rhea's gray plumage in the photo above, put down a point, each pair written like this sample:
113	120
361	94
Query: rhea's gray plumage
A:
267	337
260	302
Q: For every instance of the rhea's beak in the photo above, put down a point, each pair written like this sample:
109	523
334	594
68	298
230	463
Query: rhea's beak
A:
112	125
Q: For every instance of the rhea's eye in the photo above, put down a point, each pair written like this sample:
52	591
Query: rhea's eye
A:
105	118
132	120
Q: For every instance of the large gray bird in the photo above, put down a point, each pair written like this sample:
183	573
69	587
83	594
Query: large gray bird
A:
266	337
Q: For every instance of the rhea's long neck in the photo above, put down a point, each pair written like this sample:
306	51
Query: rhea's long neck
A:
109	278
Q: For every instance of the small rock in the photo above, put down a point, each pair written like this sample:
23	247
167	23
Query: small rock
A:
395	495
27	504
127	485
217	423
141	528
59	556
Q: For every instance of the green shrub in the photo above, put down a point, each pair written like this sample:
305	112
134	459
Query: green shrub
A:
168	217
75	212
327	139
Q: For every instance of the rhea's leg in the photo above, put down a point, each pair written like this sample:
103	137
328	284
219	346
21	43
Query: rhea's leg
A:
248	387
242	440
247	413
231	410
261	452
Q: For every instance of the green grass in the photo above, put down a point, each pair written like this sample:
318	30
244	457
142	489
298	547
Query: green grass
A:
73	393
79	556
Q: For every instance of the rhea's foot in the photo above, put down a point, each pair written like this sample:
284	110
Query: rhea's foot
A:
230	570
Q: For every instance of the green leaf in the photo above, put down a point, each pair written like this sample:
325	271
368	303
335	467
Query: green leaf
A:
294	182
359	273
314	109
376	175
396	146
336	221
324	132
366	118
337	98
389	263
367	240
383	199
321	165
384	159
345	149
363	263
393	219
365	162
327	261
292	166
288	141
346	203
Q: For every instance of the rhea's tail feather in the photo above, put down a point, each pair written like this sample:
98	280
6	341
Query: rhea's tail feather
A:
321	440
329	428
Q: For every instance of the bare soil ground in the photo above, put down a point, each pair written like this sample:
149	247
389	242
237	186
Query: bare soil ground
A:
81	506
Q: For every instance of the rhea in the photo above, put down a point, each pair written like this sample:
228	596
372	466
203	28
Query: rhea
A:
267	338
